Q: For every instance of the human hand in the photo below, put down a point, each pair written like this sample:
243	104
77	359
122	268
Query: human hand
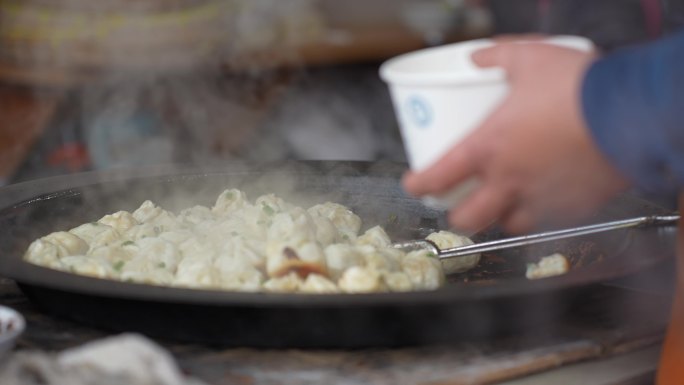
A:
534	157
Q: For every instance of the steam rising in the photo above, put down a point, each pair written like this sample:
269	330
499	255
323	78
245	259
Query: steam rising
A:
156	90
157	37
153	72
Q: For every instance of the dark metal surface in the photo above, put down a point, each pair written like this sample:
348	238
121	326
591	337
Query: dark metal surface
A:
636	319
492	299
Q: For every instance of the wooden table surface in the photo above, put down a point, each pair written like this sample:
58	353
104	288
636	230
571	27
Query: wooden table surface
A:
636	321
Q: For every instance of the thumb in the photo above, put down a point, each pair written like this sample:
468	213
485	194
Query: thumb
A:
497	56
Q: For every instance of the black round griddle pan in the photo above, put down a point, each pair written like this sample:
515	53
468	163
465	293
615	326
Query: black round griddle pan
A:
493	299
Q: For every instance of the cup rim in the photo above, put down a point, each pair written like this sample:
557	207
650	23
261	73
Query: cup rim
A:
393	76
390	74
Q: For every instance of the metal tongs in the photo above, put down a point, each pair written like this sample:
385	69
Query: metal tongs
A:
525	240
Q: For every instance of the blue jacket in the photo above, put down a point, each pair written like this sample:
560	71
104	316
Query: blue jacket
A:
633	103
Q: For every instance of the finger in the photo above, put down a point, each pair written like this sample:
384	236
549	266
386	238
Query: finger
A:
455	167
463	161
520	220
497	56
481	208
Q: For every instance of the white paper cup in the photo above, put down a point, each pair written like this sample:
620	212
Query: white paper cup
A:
440	96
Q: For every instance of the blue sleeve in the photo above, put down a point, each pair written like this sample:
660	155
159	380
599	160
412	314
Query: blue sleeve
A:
633	103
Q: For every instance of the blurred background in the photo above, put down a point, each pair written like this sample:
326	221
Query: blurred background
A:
88	85
92	85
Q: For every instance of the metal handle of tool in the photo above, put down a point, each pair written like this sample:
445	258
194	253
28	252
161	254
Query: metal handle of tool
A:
525	240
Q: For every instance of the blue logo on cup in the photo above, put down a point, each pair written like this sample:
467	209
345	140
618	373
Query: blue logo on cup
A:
419	111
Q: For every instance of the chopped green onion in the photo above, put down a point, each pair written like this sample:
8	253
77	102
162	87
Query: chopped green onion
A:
128	243
229	195
268	209
161	265
119	265
431	255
